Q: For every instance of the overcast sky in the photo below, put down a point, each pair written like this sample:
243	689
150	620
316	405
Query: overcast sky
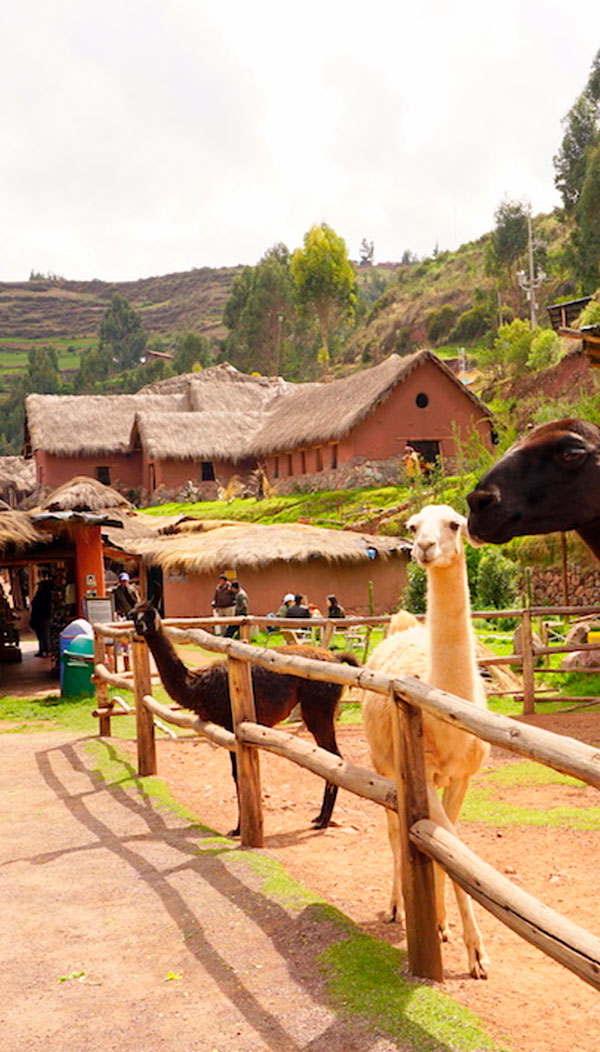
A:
141	137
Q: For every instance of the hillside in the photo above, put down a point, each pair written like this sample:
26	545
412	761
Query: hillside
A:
66	310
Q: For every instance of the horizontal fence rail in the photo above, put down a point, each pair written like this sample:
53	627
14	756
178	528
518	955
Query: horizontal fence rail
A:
573	947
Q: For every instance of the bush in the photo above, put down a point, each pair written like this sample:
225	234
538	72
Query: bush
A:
496	581
413	596
439	323
471	325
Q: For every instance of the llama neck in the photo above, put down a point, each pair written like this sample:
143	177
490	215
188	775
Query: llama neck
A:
590	535
452	663
172	671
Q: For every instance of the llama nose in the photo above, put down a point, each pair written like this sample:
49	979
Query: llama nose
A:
425	548
481	499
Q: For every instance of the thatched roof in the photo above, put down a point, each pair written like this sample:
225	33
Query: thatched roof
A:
83	493
218	434
83	425
17	529
224	373
249	546
17	474
312	413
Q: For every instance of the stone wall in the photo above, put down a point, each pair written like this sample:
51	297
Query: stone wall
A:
583	585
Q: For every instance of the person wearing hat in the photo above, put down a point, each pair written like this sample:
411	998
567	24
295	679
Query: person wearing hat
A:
287	601
125	595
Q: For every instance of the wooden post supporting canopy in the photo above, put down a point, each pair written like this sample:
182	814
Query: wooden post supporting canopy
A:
101	688
248	764
416	871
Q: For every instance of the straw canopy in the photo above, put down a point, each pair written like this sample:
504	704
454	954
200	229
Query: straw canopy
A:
17	475
249	547
84	493
17	530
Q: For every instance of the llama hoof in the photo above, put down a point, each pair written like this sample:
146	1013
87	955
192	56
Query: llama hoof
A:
479	965
392	915
234	832
444	932
320	823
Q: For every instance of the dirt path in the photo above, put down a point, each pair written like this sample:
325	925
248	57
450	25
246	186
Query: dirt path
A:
531	1002
120	931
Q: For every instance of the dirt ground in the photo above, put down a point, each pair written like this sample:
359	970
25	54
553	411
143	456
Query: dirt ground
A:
529	1001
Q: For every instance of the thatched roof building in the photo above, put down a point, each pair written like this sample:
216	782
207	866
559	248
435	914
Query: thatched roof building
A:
83	493
206	426
17	479
273	560
17	531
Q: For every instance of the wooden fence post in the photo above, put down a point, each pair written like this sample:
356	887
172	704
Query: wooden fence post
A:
142	684
248	762
416	868
527	662
101	688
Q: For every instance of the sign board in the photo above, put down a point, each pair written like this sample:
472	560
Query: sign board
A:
99	610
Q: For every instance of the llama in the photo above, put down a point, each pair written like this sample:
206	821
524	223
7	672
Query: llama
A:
442	653
549	480
206	692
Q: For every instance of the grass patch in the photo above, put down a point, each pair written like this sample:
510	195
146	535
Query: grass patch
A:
482	806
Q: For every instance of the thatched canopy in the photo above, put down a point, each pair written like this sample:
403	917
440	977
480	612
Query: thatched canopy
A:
84	425
17	475
84	493
249	546
17	530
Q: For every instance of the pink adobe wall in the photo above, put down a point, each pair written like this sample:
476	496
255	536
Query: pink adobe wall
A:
124	468
398	420
174	473
191	595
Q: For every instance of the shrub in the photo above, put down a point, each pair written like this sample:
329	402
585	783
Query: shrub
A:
471	325
413	596
496	582
439	323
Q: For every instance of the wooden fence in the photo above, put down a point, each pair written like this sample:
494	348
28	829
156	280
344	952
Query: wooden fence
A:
422	840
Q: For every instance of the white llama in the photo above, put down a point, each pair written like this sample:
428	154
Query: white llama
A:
442	653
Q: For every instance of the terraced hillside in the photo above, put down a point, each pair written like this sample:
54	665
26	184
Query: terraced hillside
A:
60	309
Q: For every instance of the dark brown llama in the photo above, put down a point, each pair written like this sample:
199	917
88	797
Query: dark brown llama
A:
547	481
206	692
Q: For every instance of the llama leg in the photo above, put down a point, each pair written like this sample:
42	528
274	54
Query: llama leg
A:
478	958
394	913
233	758
322	729
452	799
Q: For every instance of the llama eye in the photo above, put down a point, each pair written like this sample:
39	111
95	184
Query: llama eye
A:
454	526
572	456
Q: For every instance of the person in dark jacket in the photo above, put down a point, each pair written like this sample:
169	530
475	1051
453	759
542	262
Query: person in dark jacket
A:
41	614
333	607
240	608
297	608
125	595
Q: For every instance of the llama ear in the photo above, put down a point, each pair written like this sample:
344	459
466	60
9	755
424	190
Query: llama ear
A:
473	541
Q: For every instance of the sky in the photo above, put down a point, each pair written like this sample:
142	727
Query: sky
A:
145	137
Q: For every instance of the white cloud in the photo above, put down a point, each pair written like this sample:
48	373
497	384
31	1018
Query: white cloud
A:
148	136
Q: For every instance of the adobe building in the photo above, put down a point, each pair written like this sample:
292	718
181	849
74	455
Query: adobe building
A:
208	426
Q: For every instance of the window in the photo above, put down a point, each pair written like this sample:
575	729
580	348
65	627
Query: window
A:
422	400
334	456
303	462
207	471
276	468
290	464
151	477
103	475
319	453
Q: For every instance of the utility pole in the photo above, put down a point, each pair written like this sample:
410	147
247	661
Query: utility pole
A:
531	282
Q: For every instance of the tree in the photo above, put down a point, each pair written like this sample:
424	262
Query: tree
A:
581	131
190	350
367	253
122	333
504	250
42	374
586	236
260	313
324	279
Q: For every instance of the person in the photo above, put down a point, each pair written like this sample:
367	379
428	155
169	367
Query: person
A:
333	607
40	616
298	608
412	463
240	608
125	595
224	598
287	601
